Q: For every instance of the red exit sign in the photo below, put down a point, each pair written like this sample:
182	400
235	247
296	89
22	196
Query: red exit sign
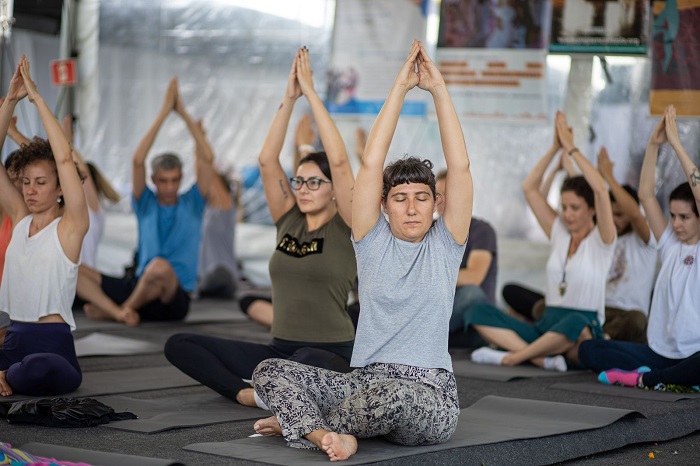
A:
63	72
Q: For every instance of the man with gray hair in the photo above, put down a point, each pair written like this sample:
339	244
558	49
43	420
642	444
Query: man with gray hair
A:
169	226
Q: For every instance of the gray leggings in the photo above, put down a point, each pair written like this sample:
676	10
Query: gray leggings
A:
407	405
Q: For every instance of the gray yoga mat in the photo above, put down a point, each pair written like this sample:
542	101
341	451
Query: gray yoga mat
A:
492	419
162	414
102	344
82	322
124	381
465	368
598	388
101	458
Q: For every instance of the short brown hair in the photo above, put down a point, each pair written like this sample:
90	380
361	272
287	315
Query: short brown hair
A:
408	170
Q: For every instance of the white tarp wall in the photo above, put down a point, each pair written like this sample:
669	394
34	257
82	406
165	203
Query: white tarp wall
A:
40	49
233	56
232	59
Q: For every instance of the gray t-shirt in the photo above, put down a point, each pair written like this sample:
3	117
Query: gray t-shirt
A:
406	295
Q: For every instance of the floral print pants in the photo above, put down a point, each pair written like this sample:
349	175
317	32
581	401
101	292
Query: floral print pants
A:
405	404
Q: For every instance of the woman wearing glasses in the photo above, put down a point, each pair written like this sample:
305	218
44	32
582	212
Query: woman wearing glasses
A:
312	268
403	387
583	239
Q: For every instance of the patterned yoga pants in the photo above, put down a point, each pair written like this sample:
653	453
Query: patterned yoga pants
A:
405	404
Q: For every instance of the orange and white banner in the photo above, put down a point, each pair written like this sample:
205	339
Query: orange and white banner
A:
499	85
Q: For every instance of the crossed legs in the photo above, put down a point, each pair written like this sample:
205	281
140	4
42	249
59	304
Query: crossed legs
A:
550	343
158	282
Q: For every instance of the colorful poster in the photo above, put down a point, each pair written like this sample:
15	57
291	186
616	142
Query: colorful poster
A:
496	85
494	24
675	72
599	26
370	43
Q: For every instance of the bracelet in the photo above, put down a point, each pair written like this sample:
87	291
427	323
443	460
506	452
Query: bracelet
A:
574	149
306	148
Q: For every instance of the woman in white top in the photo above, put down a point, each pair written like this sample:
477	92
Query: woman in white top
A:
50	219
583	242
96	186
672	355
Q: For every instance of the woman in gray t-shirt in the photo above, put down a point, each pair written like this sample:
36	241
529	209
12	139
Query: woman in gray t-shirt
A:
404	388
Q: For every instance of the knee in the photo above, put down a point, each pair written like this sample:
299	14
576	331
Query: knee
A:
174	346
269	369
510	291
481	309
44	373
469	295
158	269
588	351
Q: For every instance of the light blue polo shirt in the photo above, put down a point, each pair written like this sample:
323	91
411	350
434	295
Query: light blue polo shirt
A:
171	232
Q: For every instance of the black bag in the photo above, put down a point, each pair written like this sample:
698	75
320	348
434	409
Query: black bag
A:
61	412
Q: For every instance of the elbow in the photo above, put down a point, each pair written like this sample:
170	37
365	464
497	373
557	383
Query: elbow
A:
645	194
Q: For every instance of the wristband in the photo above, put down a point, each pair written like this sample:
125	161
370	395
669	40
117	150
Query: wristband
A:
574	149
306	148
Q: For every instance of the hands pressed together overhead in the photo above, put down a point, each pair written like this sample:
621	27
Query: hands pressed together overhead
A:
300	79
419	70
605	165
666	130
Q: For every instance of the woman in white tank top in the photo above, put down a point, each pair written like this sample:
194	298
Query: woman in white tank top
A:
50	219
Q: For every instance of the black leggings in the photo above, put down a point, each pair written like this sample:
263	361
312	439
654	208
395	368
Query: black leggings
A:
522	300
40	359
222	364
601	355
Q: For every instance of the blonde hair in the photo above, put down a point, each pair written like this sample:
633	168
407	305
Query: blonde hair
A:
103	186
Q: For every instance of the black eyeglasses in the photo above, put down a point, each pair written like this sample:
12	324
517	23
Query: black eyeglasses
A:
312	183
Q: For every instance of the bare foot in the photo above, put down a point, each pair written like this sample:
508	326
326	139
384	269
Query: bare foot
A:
5	389
508	360
129	316
268	427
246	397
339	447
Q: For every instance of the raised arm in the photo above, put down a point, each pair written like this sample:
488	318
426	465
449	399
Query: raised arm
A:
15	133
138	167
275	183
341	171
563	163
536	199
91	195
689	168
74	222
218	193
367	196
458	184
626	202
603	207
11	200
204	155
647	181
